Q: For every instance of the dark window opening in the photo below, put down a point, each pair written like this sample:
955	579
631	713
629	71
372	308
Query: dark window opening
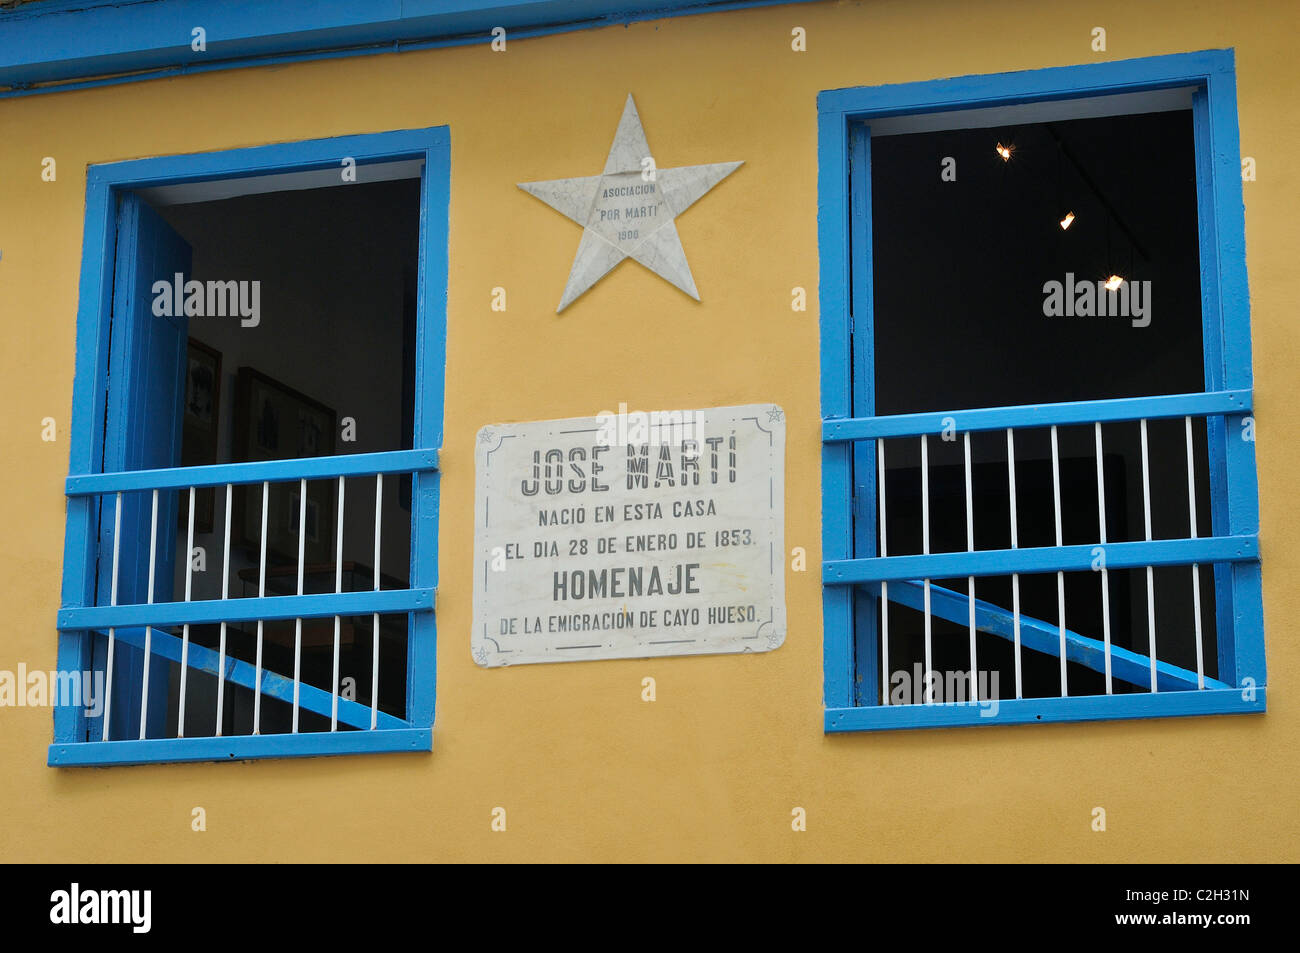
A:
959	270
317	360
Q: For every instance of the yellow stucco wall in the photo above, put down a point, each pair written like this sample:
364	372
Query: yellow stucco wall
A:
585	768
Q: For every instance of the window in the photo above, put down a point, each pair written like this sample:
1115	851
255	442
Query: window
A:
1031	511
251	548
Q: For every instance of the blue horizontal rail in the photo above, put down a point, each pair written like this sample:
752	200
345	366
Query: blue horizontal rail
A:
257	471
1038	415
1001	562
240	747
245	610
1044	637
1223	701
310	698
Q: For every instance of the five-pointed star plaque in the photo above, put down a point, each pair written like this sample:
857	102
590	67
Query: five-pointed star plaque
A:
627	211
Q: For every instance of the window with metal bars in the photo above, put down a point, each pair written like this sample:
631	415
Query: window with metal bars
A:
243	607
1033	513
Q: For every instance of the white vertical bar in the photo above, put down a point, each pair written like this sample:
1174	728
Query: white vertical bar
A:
970	580
1060	576
185	630
297	623
1151	590
1196	570
884	586
374	632
261	592
925	494
925	548
1015	544
112	600
225	594
338	587
1105	579
148	629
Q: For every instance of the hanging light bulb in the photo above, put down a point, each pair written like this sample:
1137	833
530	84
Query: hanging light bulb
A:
1067	221
1113	282
1004	151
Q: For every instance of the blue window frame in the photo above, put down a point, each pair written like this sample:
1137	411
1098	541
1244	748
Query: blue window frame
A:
105	470
855	577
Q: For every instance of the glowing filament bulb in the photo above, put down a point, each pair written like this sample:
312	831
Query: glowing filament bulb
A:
1067	221
1113	282
1004	151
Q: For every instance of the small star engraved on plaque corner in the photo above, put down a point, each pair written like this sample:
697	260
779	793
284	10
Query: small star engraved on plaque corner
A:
486	436
775	415
480	655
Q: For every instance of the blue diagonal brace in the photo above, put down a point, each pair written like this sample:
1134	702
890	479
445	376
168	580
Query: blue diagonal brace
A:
1045	637
275	686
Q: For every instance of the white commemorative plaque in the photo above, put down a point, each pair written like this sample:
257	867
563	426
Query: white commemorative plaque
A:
630	535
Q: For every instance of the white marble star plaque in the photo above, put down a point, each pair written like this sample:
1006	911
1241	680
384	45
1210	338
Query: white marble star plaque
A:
628	210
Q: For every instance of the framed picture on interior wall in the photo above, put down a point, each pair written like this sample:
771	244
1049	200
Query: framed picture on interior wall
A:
200	419
273	421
